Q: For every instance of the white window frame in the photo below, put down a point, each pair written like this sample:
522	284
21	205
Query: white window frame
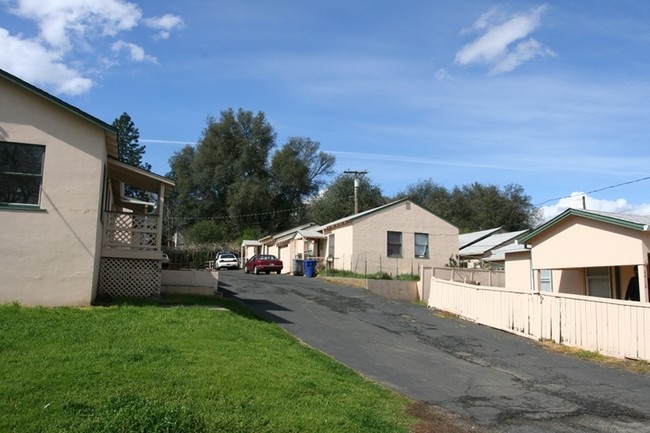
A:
546	280
425	254
596	280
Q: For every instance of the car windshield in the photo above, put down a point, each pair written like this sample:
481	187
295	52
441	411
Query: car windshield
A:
226	256
268	257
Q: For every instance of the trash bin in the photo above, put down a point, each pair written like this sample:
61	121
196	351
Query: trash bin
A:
298	268
310	268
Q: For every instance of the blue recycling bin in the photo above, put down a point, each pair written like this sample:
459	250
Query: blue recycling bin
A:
310	268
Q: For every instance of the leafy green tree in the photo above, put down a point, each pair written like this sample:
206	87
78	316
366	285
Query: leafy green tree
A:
298	171
337	201
431	195
231	178
130	151
226	175
477	206
205	231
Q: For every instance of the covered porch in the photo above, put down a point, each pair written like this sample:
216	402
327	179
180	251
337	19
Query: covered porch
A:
131	256
588	253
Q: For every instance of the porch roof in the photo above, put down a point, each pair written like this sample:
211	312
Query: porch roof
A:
311	234
120	173
634	222
284	237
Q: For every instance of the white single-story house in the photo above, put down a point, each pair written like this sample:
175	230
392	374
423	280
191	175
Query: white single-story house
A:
583	252
67	231
396	238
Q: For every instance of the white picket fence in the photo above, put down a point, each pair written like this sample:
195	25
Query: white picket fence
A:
608	326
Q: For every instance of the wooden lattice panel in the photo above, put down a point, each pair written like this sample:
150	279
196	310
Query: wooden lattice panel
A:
137	278
130	230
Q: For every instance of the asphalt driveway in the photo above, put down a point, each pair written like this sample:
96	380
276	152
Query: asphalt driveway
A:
494	379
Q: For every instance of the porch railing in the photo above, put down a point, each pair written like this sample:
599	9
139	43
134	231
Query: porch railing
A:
130	231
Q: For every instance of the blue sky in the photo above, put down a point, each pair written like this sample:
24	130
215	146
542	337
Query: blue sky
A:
554	96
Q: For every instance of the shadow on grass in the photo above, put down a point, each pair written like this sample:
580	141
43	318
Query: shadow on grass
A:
169	301
257	309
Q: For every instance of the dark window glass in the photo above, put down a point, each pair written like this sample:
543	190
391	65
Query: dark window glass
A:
21	173
394	247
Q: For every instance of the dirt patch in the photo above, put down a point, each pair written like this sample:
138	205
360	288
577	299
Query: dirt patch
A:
433	419
633	365
352	282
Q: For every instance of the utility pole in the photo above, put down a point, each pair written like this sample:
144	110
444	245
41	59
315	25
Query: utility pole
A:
357	175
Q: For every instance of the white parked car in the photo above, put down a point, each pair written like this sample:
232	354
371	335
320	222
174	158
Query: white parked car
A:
226	261
165	261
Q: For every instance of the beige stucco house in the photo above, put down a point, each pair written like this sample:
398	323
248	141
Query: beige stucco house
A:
583	252
301	242
397	238
66	229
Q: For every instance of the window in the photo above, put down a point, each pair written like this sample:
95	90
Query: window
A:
421	245
394	247
598	282
21	173
330	246
546	280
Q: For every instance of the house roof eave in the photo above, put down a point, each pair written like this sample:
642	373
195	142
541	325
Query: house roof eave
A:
610	219
120	173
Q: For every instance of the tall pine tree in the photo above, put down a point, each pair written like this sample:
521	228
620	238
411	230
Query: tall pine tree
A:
129	151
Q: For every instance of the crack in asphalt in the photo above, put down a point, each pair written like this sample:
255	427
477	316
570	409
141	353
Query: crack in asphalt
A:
561	404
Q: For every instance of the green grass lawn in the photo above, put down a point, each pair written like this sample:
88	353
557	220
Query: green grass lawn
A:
176	368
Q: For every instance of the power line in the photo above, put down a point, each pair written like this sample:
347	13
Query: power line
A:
597	190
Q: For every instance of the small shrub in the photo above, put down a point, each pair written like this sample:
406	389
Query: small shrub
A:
408	277
376	276
380	276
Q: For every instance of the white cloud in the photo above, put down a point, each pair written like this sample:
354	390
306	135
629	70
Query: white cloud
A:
136	52
165	24
68	28
60	21
36	64
620	205
505	44
523	52
442	74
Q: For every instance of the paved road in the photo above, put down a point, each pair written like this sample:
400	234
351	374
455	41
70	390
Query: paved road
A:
497	380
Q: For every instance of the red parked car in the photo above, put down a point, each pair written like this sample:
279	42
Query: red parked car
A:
266	263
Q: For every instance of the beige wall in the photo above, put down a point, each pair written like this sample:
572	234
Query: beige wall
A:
518	271
569	281
51	257
361	245
343	237
581	243
285	254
